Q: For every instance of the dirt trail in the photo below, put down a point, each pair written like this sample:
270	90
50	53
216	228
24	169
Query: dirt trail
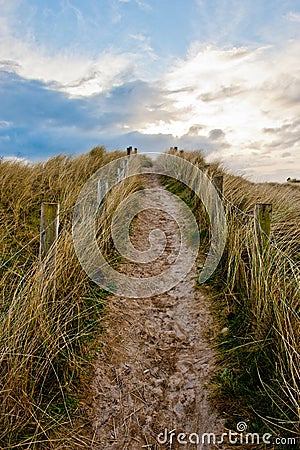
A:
156	360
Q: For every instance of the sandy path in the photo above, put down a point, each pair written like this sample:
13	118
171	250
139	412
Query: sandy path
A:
156	361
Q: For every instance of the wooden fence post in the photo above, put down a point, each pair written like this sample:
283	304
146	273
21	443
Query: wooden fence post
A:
49	227
262	224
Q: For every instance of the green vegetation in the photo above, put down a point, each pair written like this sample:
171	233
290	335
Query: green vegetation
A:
48	328
255	300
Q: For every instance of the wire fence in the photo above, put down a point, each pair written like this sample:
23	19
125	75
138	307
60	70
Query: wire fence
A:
270	240
121	175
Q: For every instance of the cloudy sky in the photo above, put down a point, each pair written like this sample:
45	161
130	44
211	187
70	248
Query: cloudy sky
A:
217	75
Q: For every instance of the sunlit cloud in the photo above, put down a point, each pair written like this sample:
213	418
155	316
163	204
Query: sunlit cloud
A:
118	79
68	70
74	74
236	95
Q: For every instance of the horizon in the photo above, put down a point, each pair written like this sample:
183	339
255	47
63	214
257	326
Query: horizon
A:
153	156
217	76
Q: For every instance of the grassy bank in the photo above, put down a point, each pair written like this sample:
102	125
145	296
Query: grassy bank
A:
255	302
48	327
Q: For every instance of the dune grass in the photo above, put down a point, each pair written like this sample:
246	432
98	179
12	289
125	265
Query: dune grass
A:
49	319
255	302
50	322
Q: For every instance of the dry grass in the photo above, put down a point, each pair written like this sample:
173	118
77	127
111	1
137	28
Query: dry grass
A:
256	298
263	291
47	325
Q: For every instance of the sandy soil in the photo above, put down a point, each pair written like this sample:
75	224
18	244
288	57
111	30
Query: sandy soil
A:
156	361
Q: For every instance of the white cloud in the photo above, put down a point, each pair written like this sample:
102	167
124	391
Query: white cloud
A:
141	4
144	45
240	92
293	16
5	123
242	103
15	159
74	74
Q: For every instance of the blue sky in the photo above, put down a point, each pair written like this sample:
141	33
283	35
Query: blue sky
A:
222	76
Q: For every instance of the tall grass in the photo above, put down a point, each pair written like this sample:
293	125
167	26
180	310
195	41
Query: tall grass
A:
264	292
256	302
47	325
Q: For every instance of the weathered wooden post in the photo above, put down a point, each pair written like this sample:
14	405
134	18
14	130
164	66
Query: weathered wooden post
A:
262	225
49	227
